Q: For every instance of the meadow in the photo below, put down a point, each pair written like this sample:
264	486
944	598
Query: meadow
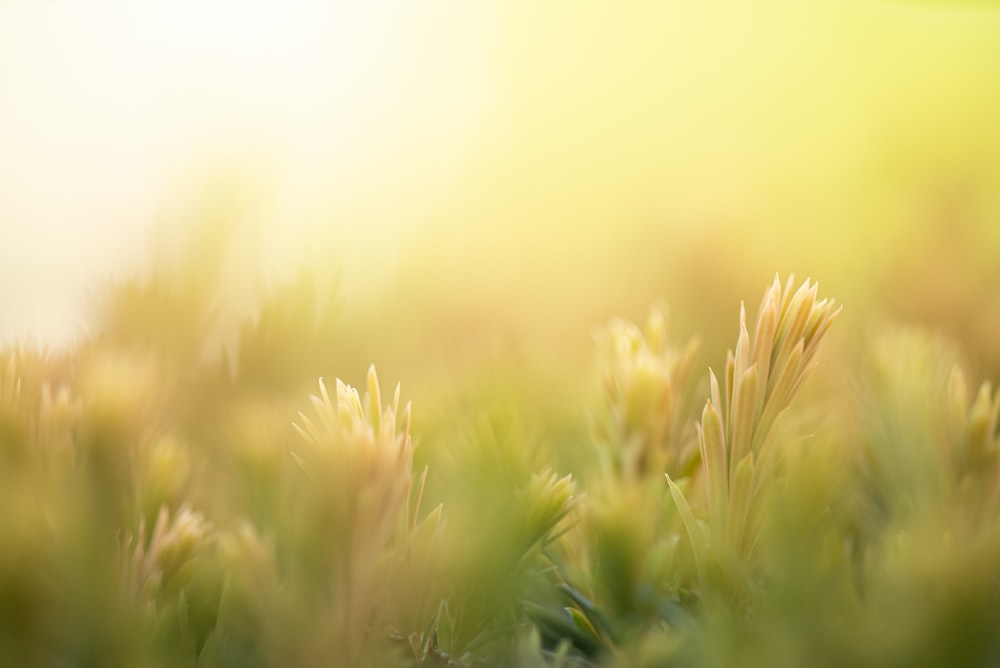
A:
576	337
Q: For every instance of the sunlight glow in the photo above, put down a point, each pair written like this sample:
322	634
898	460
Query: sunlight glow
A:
122	108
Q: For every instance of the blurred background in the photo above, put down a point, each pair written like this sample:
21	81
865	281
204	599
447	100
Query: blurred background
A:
477	186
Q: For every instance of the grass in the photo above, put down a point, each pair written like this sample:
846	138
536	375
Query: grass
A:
159	508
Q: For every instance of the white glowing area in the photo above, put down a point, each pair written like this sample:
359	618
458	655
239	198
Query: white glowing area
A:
113	112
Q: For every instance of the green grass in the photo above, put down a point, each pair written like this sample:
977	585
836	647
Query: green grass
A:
164	507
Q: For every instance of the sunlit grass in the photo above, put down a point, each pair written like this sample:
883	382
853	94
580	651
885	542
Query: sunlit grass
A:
160	507
547	226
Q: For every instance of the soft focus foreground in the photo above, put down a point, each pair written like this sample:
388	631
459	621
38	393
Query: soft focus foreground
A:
540	221
160	509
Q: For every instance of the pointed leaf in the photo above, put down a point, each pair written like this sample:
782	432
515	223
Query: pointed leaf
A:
691	527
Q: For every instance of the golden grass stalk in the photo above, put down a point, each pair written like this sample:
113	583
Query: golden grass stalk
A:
645	382
736	431
359	456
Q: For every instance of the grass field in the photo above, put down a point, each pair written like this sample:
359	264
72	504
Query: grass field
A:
530	334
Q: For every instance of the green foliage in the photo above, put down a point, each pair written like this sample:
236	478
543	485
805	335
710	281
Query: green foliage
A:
157	509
